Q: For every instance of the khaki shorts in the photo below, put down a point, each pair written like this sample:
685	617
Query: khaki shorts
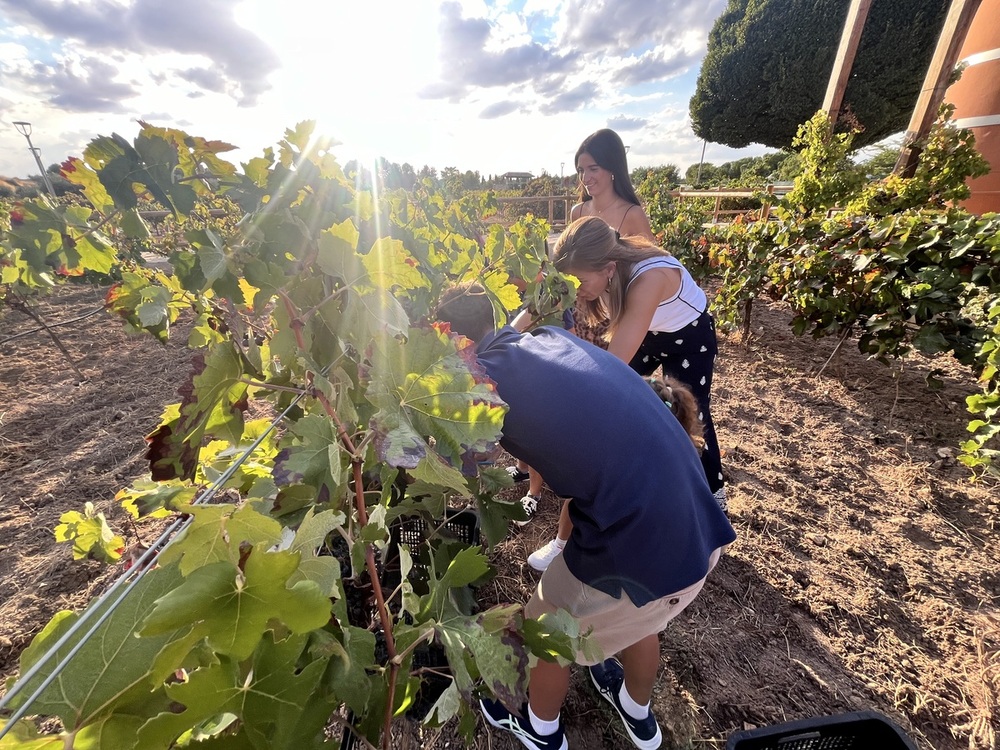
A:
617	623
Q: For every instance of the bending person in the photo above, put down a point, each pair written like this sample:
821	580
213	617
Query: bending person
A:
606	192
658	316
646	529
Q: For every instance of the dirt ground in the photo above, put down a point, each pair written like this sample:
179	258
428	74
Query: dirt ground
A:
866	574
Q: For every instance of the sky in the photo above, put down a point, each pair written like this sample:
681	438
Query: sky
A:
484	85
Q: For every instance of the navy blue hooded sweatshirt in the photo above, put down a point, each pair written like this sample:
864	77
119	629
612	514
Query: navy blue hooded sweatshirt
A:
644	519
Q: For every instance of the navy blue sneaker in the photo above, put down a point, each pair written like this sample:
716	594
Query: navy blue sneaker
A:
498	715
608	677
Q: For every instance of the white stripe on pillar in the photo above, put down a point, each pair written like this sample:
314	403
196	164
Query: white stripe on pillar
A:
981	57
977	122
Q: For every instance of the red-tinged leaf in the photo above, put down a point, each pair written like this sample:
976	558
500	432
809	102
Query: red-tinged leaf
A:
80	173
213	403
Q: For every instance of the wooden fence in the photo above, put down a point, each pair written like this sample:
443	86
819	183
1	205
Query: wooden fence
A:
557	218
718	194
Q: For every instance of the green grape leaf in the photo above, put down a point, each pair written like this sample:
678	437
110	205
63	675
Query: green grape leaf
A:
211	254
348	676
432	469
144	498
124	298
314	455
80	173
336	254
117	177
113	668
427	389
465	567
115	732
134	225
447	706
495	517
235	605
216	535
24	736
555	637
154	309
279	705
391	267
84	248
314	530
159	158
90	534
311	535
371	313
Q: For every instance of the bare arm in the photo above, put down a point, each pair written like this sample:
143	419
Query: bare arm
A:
644	295
522	320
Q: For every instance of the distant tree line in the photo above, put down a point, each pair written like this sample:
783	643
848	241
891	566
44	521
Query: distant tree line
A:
33	185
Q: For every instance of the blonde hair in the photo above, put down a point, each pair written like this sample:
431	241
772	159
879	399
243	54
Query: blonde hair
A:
681	401
589	244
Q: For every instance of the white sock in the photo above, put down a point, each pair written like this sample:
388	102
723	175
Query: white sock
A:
632	708
560	543
540	725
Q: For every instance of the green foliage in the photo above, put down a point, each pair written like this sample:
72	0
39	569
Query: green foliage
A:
880	163
982	450
827	177
750	171
90	535
769	61
258	622
948	159
912	273
667	176
899	266
678	225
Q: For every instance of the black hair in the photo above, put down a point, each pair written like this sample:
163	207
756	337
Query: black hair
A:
607	150
467	308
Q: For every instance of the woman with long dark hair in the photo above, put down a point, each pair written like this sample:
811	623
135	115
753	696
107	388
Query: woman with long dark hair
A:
605	186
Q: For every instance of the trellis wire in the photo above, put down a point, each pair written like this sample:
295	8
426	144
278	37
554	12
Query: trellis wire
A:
138	570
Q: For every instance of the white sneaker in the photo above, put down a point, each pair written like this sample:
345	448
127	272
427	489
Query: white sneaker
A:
543	556
530	504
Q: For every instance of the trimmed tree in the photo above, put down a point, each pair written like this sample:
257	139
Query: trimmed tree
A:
769	61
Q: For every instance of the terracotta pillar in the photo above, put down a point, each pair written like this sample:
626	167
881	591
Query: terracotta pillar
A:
977	102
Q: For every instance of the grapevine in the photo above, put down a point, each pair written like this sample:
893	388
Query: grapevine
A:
900	267
273	611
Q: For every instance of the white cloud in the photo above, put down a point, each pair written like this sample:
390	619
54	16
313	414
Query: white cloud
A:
488	85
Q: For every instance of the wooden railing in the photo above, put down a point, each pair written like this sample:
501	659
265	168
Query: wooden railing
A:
720	193
557	222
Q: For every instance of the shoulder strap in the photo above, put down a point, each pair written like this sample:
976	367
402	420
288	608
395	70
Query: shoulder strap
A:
630	207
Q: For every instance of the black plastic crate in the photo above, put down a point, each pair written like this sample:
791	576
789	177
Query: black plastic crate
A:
859	730
461	526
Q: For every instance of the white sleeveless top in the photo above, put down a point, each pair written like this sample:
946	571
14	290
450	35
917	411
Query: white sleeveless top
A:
681	309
